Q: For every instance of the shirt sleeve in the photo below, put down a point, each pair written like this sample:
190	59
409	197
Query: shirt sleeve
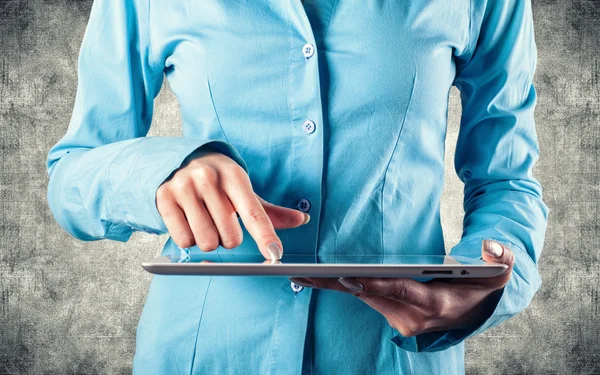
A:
104	172
496	151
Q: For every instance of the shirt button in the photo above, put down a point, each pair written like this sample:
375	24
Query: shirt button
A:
295	287
303	205
308	50
309	126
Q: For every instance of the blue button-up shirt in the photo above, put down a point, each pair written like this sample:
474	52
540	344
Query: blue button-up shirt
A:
337	108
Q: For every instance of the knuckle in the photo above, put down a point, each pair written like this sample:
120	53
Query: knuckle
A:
257	215
208	245
405	332
167	213
408	328
415	328
404	329
182	183
163	193
376	287
400	291
441	306
230	240
206	175
184	240
398	328
268	239
234	172
441	303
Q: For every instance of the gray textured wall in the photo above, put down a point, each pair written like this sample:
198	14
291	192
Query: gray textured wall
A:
72	307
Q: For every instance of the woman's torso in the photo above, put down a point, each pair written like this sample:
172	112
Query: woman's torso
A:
371	167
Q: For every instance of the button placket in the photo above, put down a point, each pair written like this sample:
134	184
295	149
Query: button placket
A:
306	170
306	112
308	50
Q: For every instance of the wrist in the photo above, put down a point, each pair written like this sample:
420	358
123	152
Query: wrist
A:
482	311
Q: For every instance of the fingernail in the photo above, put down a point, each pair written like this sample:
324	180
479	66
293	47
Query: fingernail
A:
301	281
351	284
306	218
493	248
274	251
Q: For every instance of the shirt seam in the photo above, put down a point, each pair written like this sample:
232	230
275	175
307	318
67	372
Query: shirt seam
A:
470	28
273	336
390	162
330	17
198	326
212	102
471	42
151	58
148	85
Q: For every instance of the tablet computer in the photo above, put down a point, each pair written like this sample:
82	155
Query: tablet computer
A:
311	265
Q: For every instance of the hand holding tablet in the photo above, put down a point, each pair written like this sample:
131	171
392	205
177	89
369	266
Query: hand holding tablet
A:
388	284
413	308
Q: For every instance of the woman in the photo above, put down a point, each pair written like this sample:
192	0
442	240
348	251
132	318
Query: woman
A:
334	109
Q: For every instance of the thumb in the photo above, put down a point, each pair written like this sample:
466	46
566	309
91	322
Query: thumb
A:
283	217
495	252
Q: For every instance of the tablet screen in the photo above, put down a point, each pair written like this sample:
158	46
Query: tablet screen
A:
185	256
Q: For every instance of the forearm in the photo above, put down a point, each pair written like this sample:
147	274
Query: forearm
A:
109	191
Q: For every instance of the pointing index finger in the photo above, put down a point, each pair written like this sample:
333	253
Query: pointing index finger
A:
254	217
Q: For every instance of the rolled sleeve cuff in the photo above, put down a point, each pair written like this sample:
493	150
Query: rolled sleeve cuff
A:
136	175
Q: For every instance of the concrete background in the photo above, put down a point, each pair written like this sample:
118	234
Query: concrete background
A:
66	307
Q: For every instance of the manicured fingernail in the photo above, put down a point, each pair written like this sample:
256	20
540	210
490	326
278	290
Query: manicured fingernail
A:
274	250
301	281
493	248
306	218
351	284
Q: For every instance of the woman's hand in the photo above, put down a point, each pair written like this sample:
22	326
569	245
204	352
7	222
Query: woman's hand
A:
412	307
200	203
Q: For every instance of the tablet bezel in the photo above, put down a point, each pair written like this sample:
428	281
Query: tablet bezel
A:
451	267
